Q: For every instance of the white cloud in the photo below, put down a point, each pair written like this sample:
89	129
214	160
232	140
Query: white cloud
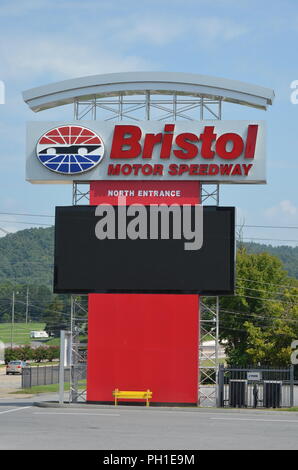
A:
218	29
284	209
162	31
59	58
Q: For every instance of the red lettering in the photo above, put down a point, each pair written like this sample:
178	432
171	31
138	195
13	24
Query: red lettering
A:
126	169
194	169
158	170
236	170
213	169
136	169
173	169
246	169
167	141
237	148
147	170
120	140
251	140
114	169
203	170
182	169
189	150
225	169
150	141
207	137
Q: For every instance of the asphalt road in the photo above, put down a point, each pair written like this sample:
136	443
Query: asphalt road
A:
24	426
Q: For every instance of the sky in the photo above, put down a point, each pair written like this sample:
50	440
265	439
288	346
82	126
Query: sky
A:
43	41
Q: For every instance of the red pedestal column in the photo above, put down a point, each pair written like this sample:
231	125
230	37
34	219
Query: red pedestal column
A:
143	341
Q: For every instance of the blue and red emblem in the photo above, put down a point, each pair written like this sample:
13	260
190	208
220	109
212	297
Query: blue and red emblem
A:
70	149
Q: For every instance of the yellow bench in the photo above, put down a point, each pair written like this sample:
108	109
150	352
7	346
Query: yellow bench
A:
132	394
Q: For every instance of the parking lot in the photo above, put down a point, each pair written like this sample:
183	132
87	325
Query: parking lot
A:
9	383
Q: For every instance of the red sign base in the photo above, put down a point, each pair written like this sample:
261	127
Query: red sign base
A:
144	341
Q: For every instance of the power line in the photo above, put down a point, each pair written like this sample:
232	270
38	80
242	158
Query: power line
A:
22	222
257	316
265	226
268	283
237	225
245	331
270	239
266	291
267	300
26	215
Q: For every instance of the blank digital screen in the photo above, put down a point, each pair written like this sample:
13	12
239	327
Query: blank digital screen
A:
85	264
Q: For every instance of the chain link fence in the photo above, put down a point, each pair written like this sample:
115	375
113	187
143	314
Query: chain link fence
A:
47	375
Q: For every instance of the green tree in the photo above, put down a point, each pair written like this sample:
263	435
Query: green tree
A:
56	317
271	347
260	320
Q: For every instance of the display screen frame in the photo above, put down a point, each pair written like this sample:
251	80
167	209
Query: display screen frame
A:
74	212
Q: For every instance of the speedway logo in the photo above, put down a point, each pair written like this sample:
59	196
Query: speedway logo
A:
70	149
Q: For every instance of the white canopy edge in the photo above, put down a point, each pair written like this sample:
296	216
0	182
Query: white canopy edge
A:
134	83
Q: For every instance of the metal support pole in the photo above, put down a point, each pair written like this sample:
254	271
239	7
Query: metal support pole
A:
74	366
61	366
120	107
220	387
27	304
12	319
217	365
147	105
291	386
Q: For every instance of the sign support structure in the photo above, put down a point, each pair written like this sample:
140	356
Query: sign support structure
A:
146	96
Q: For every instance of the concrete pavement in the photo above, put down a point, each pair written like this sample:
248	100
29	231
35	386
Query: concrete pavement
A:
24	426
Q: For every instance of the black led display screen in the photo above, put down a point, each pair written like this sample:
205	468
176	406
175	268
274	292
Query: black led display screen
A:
86	264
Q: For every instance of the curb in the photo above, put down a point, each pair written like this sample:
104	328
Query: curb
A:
56	404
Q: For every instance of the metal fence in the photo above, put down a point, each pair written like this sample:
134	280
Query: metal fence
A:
255	387
45	375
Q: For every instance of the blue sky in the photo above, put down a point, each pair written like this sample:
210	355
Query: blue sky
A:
48	40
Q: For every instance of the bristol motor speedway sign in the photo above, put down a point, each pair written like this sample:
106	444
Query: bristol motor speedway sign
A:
210	151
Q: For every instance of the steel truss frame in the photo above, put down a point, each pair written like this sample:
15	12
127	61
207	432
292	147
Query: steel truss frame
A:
157	107
148	106
78	321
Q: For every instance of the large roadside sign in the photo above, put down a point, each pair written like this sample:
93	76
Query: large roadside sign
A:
208	151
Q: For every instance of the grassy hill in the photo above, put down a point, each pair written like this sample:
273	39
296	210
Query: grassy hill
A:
26	257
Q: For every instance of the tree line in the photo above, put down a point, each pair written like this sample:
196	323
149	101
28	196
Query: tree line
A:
257	324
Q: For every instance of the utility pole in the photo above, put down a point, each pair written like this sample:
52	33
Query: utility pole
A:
12	318
27	304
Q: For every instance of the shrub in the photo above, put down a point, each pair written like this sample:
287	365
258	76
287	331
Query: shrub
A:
11	354
26	353
53	352
40	353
